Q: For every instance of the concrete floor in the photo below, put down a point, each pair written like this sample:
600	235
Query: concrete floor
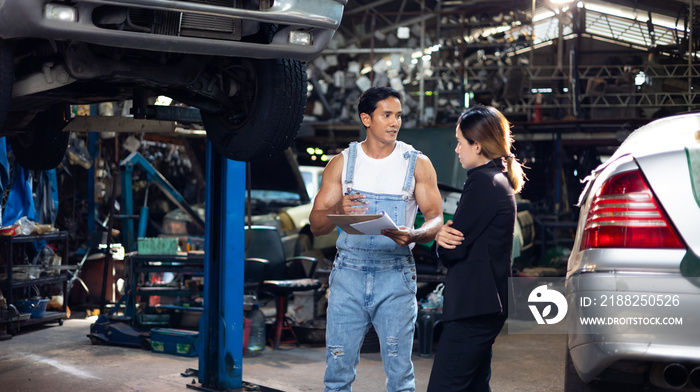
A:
61	359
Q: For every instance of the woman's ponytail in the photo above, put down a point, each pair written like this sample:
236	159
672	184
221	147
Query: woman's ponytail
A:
515	173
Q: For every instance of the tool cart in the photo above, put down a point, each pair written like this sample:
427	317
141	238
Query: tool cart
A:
184	266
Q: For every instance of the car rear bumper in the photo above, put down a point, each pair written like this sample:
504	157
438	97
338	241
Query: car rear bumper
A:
24	19
634	329
590	359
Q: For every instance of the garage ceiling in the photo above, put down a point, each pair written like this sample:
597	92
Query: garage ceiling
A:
372	25
459	52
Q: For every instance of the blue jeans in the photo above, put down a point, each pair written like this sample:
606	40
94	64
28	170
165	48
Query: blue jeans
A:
381	293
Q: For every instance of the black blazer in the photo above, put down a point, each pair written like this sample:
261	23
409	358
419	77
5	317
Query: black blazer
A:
479	268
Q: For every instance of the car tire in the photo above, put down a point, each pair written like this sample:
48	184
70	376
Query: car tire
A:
5	80
43	143
274	94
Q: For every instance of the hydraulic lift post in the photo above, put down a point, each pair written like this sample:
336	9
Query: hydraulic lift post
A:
221	324
221	327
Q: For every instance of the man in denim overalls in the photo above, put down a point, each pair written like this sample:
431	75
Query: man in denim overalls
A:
373	281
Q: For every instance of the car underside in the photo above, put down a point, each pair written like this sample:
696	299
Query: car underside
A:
238	62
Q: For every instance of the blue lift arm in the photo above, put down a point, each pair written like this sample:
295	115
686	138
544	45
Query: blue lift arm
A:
127	166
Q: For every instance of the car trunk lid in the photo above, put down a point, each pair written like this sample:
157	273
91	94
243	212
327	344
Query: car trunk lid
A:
674	177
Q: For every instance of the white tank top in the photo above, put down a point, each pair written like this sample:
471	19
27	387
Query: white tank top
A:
383	176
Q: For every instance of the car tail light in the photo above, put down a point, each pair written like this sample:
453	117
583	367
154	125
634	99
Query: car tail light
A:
625	214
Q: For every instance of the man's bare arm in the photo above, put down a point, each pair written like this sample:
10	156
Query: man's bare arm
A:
429	202
330	199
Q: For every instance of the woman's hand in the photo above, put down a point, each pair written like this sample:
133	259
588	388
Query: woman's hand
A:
448	237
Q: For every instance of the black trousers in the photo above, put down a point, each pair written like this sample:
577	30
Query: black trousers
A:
463	357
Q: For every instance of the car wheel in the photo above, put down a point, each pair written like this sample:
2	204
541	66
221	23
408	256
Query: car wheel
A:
43	143
271	105
5	80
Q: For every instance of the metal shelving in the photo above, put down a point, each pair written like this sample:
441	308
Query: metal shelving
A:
11	246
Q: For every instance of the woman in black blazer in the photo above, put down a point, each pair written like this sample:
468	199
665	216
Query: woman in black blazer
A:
476	246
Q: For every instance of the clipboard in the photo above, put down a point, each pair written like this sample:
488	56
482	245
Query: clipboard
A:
369	224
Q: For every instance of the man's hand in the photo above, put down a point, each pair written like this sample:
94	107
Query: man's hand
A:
353	204
448	237
403	236
331	200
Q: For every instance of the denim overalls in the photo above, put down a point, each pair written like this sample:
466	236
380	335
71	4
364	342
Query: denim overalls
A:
373	282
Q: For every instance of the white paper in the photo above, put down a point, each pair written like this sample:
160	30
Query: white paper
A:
375	226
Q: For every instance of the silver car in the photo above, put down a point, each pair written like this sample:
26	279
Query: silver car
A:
240	62
632	283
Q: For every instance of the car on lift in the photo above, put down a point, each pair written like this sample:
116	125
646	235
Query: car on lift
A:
240	62
636	258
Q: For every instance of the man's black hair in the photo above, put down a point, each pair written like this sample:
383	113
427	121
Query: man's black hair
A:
368	100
